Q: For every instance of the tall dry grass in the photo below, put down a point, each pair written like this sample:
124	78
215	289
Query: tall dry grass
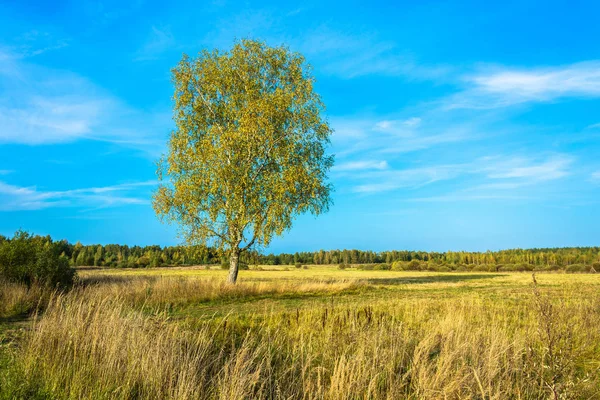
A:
181	291
94	343
17	299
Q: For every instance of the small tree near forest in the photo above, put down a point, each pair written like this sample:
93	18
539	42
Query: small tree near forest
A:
248	152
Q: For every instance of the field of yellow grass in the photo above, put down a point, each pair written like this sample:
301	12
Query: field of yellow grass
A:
316	333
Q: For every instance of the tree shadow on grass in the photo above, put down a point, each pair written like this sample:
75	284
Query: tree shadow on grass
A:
7	322
446	278
8	325
89	268
116	279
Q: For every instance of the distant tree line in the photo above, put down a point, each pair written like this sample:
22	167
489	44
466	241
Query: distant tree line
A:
577	259
536	257
123	256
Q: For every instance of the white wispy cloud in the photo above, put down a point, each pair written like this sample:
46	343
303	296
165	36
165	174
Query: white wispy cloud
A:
398	126
6	171
596	176
350	55
527	170
376	137
361	165
460	197
55	119
495	87
485	177
36	42
393	179
18	198
40	105
410	144
391	139
331	48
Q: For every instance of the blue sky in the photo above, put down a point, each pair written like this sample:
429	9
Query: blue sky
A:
458	124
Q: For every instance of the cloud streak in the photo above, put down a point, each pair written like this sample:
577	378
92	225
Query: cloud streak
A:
527	170
361	166
17	198
390	180
35	42
354	55
39	106
379	137
497	87
333	50
486	177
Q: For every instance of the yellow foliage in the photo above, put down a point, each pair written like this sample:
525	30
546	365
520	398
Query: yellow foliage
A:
248	152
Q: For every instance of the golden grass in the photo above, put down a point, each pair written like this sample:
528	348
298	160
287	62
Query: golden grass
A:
16	299
495	338
169	291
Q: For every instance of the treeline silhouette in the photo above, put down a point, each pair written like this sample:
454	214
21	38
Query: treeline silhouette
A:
571	259
575	259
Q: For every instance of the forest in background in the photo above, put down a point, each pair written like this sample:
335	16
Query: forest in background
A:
572	259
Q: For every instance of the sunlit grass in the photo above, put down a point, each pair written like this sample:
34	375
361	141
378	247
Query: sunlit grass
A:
17	299
316	333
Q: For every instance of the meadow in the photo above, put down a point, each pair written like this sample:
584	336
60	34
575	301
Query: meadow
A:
295	333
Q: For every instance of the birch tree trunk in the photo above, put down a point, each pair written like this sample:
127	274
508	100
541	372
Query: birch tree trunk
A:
234	259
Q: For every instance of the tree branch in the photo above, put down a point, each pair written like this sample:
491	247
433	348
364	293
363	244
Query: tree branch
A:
250	243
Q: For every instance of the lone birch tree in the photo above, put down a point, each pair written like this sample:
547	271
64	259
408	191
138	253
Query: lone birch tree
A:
248	153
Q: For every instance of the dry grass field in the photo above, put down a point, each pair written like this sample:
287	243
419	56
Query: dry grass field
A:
315	333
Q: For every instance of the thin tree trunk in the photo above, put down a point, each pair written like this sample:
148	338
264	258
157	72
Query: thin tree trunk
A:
234	259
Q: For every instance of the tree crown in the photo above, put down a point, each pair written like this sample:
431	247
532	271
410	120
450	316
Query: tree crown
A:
248	153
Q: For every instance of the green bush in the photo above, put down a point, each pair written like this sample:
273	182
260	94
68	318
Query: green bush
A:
507	268
35	260
414	265
298	265
575	268
398	266
524	267
382	267
431	267
553	267
143	262
342	266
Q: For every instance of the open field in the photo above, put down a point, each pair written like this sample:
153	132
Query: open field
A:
318	333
